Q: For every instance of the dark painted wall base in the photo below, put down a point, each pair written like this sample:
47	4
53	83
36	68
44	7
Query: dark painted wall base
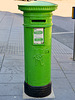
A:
37	91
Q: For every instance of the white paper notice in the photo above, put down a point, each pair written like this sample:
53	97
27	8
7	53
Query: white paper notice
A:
38	36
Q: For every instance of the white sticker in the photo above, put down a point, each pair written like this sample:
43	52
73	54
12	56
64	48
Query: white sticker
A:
38	36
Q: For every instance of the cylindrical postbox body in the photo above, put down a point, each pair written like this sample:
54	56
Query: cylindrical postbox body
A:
37	47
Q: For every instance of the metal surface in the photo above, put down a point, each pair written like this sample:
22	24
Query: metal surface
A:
73	12
38	91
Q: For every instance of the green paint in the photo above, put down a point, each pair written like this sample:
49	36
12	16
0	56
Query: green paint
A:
37	56
38	39
38	32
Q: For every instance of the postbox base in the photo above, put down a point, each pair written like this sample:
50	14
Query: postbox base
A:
35	91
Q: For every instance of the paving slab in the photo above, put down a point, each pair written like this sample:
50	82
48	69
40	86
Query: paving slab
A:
56	28
68	68
4	34
55	66
14	57
60	83
18	98
1	57
64	94
65	38
9	13
57	73
11	89
73	86
15	48
11	78
64	58
13	66
53	60
71	77
2	15
59	48
11	97
66	23
6	22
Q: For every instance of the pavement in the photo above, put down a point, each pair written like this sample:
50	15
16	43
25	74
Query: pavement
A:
12	57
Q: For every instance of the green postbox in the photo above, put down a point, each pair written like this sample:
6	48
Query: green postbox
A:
37	47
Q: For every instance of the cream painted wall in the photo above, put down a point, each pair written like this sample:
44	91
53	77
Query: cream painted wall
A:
10	5
64	6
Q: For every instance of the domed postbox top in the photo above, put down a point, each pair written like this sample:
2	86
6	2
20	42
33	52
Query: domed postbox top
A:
38	6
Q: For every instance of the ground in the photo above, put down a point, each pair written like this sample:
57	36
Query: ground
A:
12	57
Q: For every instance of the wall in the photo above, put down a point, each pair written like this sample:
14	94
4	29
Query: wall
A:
10	5
64	6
